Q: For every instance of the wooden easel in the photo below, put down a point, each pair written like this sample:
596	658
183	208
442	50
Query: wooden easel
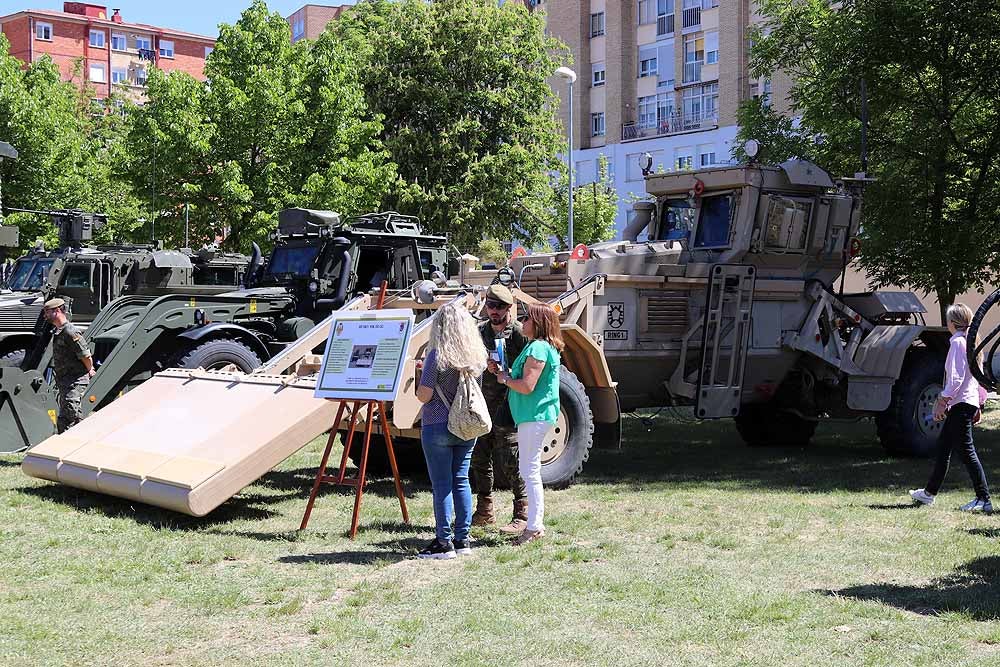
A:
357	482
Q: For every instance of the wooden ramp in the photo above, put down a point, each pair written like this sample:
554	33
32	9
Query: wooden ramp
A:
186	440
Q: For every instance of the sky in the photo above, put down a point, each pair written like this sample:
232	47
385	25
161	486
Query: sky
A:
197	16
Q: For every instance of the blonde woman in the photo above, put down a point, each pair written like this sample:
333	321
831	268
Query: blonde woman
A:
534	403
959	407
455	347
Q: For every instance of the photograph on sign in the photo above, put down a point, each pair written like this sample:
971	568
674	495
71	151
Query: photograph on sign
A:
365	355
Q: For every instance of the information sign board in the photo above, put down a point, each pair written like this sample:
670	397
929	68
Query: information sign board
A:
365	355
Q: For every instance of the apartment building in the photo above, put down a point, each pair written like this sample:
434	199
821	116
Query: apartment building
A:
663	77
308	21
95	49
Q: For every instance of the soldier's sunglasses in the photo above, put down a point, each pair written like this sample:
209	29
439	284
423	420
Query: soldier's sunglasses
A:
497	305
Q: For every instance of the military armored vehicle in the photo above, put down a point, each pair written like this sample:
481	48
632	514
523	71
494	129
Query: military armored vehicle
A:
91	277
722	296
318	263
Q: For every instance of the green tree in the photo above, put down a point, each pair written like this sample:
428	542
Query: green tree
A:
491	251
467	110
595	207
932	221
276	125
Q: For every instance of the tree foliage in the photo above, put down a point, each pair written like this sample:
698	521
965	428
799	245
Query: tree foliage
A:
595	208
932	221
276	124
467	110
64	150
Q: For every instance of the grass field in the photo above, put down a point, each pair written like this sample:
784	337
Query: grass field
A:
684	548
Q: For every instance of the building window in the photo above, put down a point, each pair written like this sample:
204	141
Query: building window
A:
664	17
597	124
683	160
166	48
140	76
97	38
701	106
119	75
118	42
691	15
143	43
43	31
707	159
712	47
694	58
97	73
597	24
647	61
647	11
298	28
598	75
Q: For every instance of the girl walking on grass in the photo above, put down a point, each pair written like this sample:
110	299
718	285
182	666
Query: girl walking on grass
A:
959	407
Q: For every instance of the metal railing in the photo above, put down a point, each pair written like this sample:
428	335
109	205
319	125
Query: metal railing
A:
691	17
674	123
664	25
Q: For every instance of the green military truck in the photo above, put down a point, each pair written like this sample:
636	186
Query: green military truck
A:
318	264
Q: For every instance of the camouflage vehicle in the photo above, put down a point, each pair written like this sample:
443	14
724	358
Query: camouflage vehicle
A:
319	263
91	277
723	296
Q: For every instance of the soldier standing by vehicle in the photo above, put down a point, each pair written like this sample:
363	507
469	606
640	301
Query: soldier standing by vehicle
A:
71	361
501	324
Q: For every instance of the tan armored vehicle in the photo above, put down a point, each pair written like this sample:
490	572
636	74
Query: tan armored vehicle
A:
723	296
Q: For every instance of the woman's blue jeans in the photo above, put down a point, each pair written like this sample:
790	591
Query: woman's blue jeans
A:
448	464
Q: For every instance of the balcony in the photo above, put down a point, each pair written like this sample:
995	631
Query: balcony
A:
664	25
675	123
691	17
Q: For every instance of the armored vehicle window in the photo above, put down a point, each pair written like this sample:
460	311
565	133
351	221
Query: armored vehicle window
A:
76	275
714	222
29	274
787	224
676	220
214	275
296	261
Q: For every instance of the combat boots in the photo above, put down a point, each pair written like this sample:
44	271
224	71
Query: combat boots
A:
484	515
520	520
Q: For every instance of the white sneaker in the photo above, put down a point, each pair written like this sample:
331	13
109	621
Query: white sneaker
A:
984	506
922	497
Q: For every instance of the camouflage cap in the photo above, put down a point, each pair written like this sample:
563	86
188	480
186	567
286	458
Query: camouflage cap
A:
54	303
501	294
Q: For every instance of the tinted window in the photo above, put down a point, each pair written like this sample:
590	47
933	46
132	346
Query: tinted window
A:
214	275
295	261
676	220
76	275
29	274
713	222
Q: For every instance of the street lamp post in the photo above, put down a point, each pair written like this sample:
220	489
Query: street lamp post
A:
570	76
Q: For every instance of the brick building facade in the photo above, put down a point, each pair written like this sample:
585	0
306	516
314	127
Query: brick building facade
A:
91	48
309	21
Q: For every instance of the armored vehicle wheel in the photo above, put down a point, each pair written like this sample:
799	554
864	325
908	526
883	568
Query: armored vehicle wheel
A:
218	353
763	425
13	359
907	427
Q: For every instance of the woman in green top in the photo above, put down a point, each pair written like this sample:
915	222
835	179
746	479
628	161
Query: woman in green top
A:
534	402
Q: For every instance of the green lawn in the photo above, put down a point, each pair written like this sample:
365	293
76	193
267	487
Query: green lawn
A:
684	548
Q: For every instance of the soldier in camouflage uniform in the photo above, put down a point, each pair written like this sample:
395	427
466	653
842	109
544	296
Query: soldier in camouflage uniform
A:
71	361
503	438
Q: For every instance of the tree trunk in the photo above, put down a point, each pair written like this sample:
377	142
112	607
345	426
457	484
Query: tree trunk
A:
945	298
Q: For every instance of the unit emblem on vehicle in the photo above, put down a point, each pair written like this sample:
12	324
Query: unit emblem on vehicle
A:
616	314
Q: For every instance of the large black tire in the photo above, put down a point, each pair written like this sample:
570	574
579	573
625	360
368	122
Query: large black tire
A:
218	353
567	445
13	359
764	425
906	428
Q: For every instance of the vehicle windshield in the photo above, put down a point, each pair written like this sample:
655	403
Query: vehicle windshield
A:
295	262
29	274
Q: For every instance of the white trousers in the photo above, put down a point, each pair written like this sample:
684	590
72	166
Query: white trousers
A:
530	436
